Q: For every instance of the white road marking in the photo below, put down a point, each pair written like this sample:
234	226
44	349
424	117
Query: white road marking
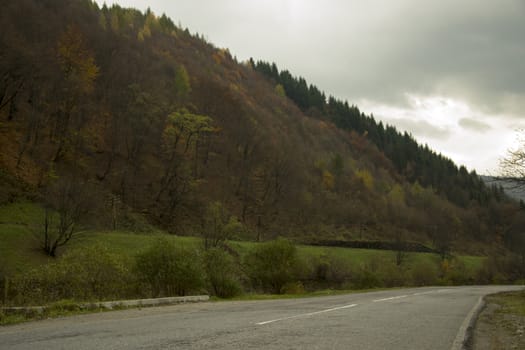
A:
391	298
461	337
349	306
307	314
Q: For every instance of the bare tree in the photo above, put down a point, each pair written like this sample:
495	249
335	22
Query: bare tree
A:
512	167
68	203
218	225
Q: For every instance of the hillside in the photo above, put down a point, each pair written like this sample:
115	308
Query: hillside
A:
511	188
149	120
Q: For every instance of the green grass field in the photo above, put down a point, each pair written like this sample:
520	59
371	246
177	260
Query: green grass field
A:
20	250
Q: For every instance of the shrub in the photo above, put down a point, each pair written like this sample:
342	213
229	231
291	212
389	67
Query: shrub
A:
104	274
62	306
272	264
81	274
365	278
333	270
454	272
392	275
500	269
293	288
424	273
170	270
222	273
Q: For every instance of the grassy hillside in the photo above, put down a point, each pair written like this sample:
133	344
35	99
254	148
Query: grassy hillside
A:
20	253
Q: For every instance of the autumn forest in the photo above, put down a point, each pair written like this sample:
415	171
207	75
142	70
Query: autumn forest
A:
129	120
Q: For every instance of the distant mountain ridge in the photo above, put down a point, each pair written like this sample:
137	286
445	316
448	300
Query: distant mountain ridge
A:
511	188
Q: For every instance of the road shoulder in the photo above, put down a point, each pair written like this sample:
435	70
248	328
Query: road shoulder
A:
501	324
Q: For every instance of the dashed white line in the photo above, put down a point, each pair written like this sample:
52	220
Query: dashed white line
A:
391	298
347	306
307	314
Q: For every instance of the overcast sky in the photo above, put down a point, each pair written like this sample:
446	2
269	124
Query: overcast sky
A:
450	72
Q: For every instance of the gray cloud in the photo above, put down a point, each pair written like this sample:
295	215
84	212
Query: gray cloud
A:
473	124
375	49
471	50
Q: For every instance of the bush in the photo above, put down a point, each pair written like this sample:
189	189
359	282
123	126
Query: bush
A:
425	273
500	270
392	275
333	271
454	272
81	274
293	288
169	270
222	273
62	306
365	278
272	264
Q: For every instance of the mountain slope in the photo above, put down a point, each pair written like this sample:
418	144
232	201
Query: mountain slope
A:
511	188
162	123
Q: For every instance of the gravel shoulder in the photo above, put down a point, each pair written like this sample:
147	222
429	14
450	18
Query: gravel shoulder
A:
501	325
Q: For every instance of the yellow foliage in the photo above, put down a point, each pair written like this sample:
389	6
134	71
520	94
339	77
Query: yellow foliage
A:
183	126
151	20
220	55
307	197
182	83
328	180
279	90
366	178
397	195
234	87
77	62
445	266
144	33
417	190
320	164
102	21
114	22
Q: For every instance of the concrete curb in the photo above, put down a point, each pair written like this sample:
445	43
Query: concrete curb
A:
463	338
118	303
150	302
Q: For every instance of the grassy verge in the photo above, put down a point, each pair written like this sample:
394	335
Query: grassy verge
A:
98	263
502	323
512	303
19	247
61	308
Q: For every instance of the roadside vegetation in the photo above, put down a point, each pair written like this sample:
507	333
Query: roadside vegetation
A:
501	325
110	265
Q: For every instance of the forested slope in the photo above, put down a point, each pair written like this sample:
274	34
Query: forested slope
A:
156	121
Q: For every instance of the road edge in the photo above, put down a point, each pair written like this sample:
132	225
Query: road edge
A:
110	305
464	337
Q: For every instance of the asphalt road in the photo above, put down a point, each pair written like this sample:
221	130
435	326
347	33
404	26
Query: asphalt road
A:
422	318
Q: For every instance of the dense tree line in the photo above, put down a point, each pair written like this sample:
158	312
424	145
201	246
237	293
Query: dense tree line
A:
417	163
